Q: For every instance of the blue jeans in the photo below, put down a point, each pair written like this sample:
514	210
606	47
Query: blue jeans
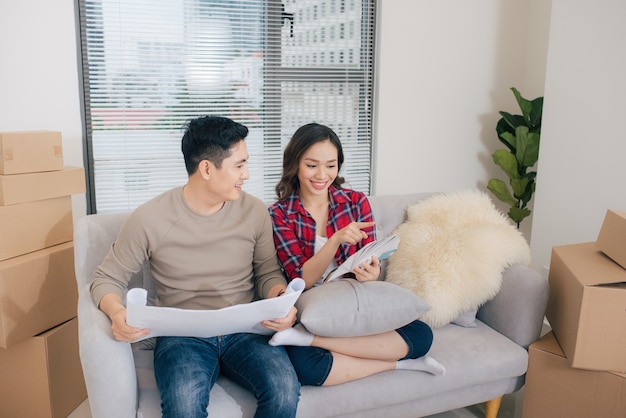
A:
186	369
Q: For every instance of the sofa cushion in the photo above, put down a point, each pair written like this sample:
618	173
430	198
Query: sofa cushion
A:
452	252
348	308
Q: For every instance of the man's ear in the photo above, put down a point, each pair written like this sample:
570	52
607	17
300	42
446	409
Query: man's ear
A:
205	168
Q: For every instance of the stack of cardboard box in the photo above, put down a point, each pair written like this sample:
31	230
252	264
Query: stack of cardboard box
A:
579	368
40	371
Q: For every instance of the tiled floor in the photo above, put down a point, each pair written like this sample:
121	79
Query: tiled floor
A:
511	408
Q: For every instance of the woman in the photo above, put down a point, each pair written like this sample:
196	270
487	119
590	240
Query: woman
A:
317	226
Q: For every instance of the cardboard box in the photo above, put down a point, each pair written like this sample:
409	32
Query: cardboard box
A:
30	152
612	237
587	307
37	292
35	225
42	376
554	389
29	187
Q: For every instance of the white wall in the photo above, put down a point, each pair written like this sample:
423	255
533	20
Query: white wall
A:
444	70
583	143
39	85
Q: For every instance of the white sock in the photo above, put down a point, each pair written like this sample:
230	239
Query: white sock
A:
424	364
297	335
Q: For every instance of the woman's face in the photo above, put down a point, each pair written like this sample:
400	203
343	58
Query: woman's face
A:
318	168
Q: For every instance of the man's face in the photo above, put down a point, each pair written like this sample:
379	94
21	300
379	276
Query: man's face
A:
226	182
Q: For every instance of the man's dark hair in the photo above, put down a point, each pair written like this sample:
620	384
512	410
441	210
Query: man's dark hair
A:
210	138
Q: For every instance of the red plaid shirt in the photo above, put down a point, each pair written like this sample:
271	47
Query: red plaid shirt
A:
294	227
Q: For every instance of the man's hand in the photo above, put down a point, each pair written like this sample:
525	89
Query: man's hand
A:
111	305
124	332
280	324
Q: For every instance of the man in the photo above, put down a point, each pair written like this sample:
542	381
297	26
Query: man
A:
210	245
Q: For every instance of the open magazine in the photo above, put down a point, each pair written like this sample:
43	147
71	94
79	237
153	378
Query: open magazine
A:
382	248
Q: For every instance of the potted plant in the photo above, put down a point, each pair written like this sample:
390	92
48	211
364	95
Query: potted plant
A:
520	134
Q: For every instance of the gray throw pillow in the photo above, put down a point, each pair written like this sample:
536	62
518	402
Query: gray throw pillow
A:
466	319
349	308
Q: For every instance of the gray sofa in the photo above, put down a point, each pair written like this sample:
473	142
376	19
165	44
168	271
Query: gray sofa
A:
483	363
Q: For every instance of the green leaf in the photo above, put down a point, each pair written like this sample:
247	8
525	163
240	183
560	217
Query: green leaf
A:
528	194
532	149
509	138
518	214
501	191
503	127
513	120
519	187
525	105
536	114
527	147
507	162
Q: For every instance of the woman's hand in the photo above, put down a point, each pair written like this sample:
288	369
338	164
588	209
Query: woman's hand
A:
280	324
367	272
352	233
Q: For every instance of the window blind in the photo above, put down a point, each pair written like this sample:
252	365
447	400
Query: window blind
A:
150	66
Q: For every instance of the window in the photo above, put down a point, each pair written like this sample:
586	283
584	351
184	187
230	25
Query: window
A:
150	66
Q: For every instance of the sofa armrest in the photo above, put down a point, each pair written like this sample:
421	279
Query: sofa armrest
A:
108	365
518	309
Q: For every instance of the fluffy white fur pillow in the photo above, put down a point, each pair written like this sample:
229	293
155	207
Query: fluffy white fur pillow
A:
452	252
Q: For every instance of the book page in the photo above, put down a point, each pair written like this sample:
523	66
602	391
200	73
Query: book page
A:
382	248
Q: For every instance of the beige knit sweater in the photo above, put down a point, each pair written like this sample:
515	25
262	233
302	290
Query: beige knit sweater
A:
198	262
